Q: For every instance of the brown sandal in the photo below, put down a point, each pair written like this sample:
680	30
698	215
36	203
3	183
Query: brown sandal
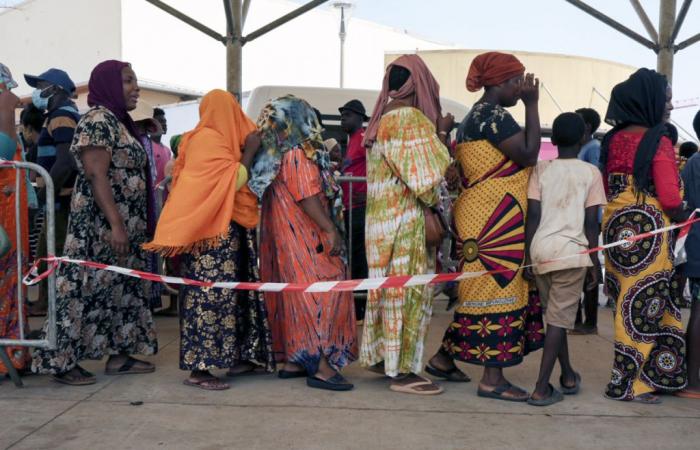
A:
208	384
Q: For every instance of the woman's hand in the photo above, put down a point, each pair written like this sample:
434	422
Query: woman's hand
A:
446	123
252	145
453	177
530	90
593	277
336	242
119	240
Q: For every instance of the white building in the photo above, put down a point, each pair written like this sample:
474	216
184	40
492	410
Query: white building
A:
75	35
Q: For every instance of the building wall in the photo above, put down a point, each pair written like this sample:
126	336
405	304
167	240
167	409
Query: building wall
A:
73	35
570	79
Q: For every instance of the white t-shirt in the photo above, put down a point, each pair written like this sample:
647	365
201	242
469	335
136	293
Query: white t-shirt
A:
565	188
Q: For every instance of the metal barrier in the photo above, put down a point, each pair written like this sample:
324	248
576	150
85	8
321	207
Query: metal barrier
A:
351	180
50	341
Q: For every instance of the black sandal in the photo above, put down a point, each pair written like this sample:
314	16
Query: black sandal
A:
335	383
498	391
455	375
72	380
288	374
128	368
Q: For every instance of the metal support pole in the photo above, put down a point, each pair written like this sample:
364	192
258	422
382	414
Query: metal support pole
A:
342	35
667	19
234	52
18	237
613	23
680	19
14	376
188	20
645	20
282	20
556	103
246	7
688	42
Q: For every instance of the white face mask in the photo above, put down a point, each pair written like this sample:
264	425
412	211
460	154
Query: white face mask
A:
40	102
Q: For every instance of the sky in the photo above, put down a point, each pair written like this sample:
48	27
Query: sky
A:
553	26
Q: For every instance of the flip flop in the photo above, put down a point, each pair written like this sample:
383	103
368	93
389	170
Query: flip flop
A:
566	390
253	370
411	387
128	368
206	384
688	394
70	380
288	374
335	383
455	375
377	368
646	399
554	397
498	391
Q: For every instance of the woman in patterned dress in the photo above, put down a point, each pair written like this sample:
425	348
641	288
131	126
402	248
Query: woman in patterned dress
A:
210	219
496	321
101	313
406	162
10	150
643	191
314	334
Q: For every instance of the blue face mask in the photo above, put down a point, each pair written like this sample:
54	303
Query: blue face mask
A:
39	101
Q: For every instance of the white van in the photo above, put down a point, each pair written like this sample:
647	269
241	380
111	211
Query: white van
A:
328	100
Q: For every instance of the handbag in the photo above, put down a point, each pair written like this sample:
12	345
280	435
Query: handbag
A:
436	229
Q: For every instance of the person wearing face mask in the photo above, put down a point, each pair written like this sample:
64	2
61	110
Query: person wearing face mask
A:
52	94
99	313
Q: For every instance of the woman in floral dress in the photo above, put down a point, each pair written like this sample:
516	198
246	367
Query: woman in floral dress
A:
101	313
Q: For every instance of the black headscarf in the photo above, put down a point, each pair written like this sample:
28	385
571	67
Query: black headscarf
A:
640	100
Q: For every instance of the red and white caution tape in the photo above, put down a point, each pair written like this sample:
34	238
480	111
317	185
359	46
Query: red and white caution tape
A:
398	281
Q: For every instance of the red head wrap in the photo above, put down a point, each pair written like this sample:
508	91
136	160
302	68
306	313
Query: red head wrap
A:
492	68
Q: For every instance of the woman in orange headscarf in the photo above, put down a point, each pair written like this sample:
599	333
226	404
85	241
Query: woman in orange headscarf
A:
497	322
210	217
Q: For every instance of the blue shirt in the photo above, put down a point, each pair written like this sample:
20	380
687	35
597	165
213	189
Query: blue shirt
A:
590	152
691	180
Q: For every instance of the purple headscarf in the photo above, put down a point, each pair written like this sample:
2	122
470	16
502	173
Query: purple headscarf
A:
106	89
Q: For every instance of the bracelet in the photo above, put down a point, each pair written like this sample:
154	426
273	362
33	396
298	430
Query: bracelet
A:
443	133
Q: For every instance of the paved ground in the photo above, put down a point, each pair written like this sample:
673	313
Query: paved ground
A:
264	412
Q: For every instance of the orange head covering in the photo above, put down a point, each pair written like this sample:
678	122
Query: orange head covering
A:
421	83
203	199
492	68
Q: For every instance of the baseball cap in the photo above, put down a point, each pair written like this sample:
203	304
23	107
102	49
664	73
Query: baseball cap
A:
54	76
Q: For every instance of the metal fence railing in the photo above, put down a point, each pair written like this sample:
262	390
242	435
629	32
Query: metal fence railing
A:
351	181
49	341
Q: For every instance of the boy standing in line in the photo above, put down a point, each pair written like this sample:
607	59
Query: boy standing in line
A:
563	200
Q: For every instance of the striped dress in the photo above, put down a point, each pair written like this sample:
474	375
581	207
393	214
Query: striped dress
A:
406	163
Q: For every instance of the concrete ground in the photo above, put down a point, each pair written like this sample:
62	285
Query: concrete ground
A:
264	412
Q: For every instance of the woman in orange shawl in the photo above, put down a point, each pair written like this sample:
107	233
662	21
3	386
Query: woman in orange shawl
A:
210	218
9	150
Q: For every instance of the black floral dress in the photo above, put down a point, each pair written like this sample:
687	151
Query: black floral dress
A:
222	327
102	313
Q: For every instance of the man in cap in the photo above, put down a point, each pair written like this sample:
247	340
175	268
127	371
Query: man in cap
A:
352	119
52	93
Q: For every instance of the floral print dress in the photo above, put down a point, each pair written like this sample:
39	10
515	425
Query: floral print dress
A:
98	312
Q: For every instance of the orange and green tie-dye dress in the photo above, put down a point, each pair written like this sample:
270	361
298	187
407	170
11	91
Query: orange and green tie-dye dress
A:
406	163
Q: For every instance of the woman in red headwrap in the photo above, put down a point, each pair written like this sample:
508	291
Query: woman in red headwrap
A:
496	323
100	313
